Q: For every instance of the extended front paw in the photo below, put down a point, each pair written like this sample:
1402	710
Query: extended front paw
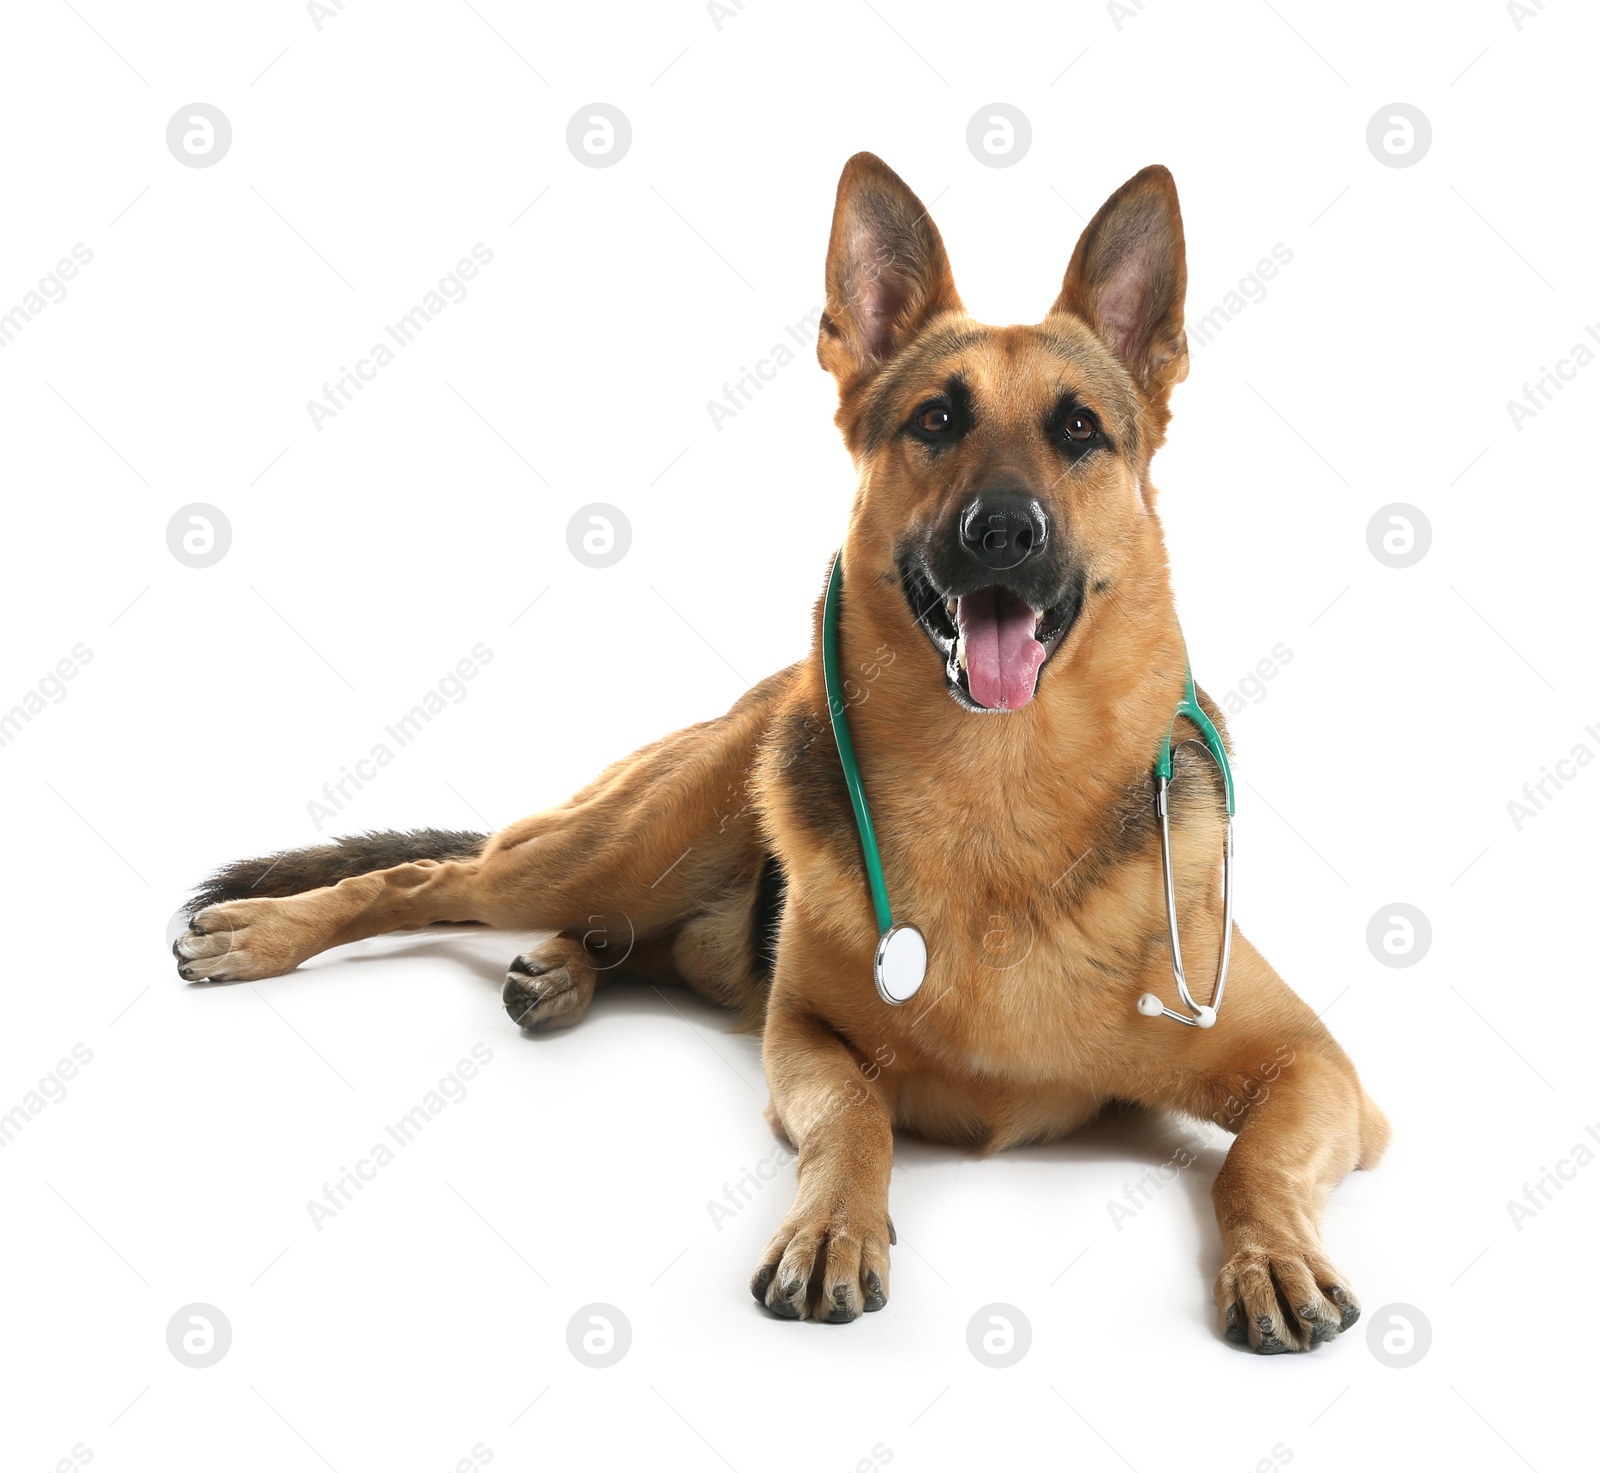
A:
827	1267
1284	1298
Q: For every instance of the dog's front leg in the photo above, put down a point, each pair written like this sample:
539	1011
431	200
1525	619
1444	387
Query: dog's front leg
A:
1271	1073
830	1259
1297	1139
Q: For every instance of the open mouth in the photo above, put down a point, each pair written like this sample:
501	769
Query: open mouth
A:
994	642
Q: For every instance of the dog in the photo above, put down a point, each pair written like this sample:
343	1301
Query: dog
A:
1012	661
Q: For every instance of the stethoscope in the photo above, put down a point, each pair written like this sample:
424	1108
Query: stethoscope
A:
900	962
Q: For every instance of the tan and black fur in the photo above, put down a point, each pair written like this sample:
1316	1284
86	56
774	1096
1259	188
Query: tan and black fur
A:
1022	841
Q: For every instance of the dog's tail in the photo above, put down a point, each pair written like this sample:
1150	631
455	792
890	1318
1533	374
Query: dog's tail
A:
296	870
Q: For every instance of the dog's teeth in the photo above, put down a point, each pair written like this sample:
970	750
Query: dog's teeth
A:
950	608
961	652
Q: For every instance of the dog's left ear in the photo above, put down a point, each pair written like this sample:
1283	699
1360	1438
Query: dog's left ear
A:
887	272
1127	281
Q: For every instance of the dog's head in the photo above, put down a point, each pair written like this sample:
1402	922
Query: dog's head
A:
1003	471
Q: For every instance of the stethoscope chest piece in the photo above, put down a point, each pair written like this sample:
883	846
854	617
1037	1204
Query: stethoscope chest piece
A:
900	964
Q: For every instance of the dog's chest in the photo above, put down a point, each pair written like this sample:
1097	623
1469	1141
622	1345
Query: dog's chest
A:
1019	995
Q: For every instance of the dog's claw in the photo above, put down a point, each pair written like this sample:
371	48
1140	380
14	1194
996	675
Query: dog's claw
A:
1349	1312
843	1311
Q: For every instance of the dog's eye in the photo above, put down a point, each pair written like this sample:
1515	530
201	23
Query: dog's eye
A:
942	421
1080	427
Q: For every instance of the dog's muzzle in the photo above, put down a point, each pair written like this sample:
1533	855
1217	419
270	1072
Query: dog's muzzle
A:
995	593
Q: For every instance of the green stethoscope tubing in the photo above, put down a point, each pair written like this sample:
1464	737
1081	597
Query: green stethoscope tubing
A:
1199	1015
1189	706
847	748
900	962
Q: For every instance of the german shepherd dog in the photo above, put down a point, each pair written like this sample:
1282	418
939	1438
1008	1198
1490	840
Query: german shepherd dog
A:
1013	660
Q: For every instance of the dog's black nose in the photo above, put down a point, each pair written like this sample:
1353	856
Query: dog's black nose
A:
1003	529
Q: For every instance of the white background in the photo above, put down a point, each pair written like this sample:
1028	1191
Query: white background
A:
372	554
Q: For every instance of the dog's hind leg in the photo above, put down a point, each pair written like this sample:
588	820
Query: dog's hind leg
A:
718	952
660	844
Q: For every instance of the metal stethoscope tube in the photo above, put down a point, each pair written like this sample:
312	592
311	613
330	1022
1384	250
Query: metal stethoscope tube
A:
1200	1015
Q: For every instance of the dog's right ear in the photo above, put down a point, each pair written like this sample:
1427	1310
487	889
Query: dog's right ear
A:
887	272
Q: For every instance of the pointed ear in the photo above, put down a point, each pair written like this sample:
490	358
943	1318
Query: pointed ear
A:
887	273
1127	281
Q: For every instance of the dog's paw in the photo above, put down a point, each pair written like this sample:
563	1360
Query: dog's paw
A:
1279	1300
552	987
824	1267
238	941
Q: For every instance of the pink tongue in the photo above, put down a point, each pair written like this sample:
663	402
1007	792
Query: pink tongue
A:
1003	657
